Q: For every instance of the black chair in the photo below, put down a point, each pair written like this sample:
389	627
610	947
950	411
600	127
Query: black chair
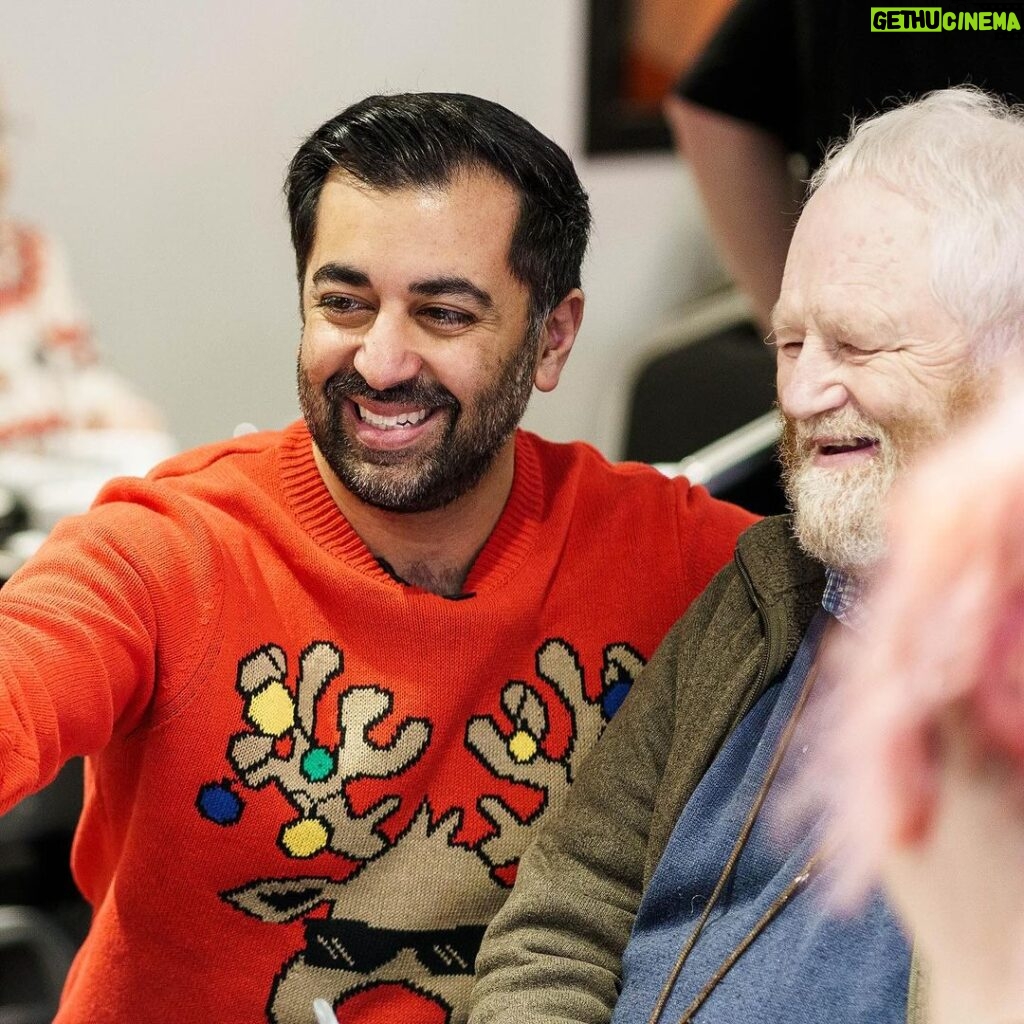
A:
702	405
43	917
35	955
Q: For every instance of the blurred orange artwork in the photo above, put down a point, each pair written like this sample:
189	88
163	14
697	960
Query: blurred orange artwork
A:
663	39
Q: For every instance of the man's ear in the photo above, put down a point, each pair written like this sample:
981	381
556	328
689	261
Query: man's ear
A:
556	339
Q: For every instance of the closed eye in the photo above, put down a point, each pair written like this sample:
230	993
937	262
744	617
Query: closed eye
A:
851	350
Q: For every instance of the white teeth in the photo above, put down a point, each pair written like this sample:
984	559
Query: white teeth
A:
403	419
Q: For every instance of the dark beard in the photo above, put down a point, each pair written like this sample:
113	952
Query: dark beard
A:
400	481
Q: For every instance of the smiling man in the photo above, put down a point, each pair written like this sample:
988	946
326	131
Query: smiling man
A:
329	679
413	377
667	889
871	368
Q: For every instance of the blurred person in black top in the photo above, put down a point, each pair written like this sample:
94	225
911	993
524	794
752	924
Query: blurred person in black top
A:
783	78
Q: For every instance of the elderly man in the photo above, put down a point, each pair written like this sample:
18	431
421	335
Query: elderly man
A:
666	889
327	679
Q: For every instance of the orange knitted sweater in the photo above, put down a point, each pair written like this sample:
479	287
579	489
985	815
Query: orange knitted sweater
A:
305	778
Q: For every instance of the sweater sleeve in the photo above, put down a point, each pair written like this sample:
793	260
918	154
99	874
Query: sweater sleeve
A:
85	627
553	953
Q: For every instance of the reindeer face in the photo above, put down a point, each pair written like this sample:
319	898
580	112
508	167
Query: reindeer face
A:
379	944
361	947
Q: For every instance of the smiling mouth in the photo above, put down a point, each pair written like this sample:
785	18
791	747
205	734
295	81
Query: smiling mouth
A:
856	444
408	418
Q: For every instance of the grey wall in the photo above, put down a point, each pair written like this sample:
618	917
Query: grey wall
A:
152	137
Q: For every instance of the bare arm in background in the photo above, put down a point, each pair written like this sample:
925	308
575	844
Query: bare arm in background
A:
749	194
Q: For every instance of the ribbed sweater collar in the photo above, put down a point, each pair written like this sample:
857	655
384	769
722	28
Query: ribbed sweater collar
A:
507	548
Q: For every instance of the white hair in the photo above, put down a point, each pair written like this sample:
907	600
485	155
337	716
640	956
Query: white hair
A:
958	154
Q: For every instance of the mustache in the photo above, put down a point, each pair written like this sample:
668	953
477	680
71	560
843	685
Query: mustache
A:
352	384
844	423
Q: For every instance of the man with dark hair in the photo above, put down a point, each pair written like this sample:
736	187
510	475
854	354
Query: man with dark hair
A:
421	140
328	679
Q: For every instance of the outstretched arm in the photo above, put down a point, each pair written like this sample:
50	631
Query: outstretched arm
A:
79	634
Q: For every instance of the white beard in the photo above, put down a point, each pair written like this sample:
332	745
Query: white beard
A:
839	515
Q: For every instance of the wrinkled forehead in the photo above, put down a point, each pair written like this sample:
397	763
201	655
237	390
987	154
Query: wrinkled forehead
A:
862	218
857	247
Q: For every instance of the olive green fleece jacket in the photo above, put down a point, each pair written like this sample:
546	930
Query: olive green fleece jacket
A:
554	952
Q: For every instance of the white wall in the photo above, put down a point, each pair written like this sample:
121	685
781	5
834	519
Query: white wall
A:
152	137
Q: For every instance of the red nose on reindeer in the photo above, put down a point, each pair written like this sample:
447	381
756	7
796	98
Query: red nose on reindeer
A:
402	1002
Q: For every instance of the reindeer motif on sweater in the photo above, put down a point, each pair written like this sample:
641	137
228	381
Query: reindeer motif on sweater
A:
409	910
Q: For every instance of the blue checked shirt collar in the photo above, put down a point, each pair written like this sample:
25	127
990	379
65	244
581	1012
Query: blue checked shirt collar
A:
842	598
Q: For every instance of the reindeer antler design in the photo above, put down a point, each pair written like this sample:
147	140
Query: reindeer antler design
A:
521	756
311	776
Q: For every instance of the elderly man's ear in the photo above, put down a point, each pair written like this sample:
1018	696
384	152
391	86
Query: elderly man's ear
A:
556	340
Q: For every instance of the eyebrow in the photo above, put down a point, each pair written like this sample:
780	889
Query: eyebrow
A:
340	273
844	327
453	286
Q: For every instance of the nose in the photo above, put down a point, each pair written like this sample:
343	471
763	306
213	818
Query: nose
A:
810	381
387	355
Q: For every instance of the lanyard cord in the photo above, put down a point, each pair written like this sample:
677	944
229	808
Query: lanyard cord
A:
730	865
